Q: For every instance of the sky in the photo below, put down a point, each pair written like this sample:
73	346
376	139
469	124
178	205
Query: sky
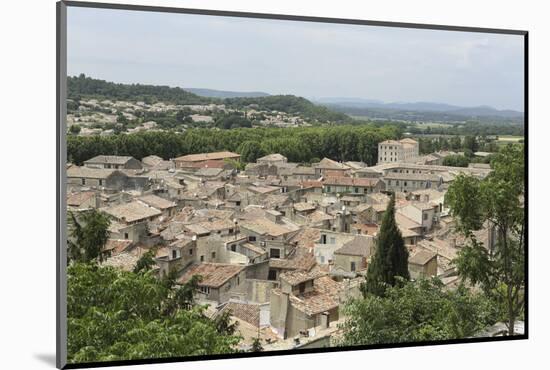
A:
313	60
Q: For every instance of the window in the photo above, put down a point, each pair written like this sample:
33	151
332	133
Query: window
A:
272	275
204	289
190	251
332	240
238	203
230	231
213	254
202	258
425	216
404	183
174	254
233	247
352	267
322	259
302	288
251	238
100	182
83	181
323	239
357	190
328	189
274	253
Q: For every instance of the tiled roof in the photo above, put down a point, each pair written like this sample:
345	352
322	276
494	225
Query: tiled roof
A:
157	202
77	199
329	164
272	157
264	226
422	257
324	297
89	173
300	207
213	275
244	311
109	159
133	211
361	245
206	156
298	276
116	246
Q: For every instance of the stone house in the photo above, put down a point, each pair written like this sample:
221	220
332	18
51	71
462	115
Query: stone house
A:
96	178
352	185
114	162
272	159
423	264
220	282
353	256
193	161
305	300
167	207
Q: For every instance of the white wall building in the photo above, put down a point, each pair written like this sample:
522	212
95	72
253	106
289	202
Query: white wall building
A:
391	151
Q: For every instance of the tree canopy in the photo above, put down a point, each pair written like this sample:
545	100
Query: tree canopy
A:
119	315
421	310
390	258
342	143
88	233
495	202
456	161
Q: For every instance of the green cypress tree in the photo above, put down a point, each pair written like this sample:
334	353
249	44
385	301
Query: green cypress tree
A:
391	257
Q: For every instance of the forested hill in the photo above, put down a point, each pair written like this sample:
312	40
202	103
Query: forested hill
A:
86	87
289	104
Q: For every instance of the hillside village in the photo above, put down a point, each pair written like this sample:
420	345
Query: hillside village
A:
108	117
279	245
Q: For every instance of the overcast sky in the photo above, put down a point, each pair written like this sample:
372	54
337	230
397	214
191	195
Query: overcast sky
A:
313	60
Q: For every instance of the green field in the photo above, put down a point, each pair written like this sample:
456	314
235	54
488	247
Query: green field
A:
510	138
425	125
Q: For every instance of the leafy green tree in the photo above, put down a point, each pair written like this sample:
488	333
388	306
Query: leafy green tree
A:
496	202
118	315
390	258
75	129
456	161
470	142
422	310
88	235
146	261
250	151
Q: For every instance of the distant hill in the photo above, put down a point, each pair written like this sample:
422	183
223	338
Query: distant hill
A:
417	110
487	111
87	87
289	104
83	86
210	93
